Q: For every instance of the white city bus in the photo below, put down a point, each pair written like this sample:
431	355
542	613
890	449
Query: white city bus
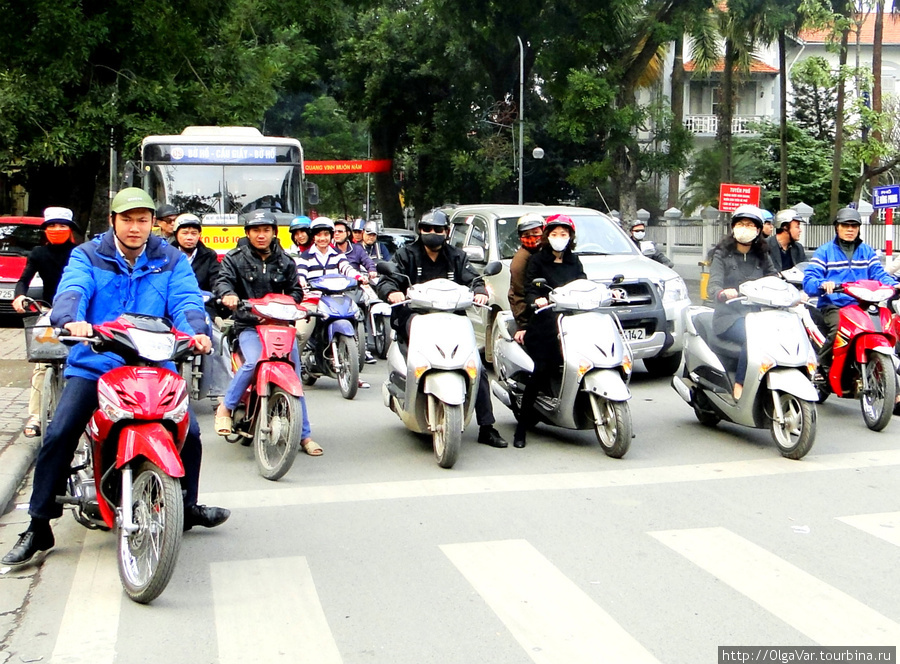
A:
221	174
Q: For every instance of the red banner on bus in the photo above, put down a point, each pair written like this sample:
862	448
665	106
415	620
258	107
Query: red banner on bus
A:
350	167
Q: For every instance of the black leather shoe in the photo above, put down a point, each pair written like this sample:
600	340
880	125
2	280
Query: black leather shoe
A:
30	549
208	517
519	435
490	436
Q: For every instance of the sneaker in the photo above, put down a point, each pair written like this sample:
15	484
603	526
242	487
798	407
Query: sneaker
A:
370	359
363	385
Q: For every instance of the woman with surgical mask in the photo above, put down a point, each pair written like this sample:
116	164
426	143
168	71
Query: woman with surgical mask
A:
556	263
741	256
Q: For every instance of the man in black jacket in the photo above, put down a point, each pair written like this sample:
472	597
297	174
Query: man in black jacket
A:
430	257
203	260
784	245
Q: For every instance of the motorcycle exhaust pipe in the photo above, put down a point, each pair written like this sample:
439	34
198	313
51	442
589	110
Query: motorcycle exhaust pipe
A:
683	390
500	392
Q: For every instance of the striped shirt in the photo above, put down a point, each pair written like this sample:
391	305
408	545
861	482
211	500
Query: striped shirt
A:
314	264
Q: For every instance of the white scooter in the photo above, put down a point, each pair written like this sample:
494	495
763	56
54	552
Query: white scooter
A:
593	390
378	321
778	393
431	385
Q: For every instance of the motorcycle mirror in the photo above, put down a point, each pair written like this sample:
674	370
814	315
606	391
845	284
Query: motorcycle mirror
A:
493	268
618	279
386	268
540	282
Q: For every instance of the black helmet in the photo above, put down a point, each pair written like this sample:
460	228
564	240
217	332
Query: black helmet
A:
343	222
261	218
165	210
848	216
750	212
435	218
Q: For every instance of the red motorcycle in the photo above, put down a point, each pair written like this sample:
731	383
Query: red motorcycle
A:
269	413
864	364
126	469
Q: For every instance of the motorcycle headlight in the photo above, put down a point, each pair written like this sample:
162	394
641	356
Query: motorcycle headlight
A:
178	411
674	290
111	404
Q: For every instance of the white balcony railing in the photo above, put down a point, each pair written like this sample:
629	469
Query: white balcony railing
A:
709	124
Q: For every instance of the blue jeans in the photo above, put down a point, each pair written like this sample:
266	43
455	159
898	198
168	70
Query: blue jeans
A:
51	471
738	334
251	349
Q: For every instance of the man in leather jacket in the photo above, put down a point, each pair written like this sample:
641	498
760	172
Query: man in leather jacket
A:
430	257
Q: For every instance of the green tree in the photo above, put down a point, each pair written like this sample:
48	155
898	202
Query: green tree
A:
815	97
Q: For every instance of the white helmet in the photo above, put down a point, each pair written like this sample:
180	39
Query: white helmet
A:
321	224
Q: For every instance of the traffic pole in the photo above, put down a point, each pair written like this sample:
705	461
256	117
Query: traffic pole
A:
889	233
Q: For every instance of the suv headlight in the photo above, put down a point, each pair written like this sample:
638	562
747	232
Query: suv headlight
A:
674	290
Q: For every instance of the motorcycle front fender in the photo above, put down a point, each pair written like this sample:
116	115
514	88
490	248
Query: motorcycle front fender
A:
867	343
153	442
447	386
606	383
279	374
791	381
344	327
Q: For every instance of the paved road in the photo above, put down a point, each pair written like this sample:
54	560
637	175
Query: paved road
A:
554	553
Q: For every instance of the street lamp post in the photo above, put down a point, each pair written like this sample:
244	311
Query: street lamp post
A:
521	112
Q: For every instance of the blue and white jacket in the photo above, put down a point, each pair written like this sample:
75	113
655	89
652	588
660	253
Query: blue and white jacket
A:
98	285
830	263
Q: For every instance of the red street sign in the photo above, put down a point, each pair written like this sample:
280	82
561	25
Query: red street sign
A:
732	196
350	167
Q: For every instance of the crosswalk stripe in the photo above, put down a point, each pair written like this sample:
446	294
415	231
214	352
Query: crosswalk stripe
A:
623	477
552	619
825	614
885	525
90	622
268	611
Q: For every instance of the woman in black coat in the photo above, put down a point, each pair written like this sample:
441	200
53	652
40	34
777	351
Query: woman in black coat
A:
739	257
556	263
48	260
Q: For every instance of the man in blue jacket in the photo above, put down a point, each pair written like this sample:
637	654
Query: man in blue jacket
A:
125	270
846	258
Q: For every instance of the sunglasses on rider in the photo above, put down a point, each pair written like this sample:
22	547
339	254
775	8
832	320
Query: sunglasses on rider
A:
428	228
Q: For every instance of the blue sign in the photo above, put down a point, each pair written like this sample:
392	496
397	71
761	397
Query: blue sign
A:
223	154
886	197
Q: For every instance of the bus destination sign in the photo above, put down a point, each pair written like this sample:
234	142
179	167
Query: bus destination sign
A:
223	154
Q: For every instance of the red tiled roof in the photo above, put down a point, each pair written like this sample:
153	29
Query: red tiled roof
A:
756	67
866	34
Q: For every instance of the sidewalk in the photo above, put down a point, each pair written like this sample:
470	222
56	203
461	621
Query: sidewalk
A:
17	453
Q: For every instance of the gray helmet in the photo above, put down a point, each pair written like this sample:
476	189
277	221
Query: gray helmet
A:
750	212
261	218
166	210
529	221
435	218
849	216
783	219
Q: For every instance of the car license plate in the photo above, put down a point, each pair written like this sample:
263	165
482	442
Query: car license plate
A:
7	293
635	334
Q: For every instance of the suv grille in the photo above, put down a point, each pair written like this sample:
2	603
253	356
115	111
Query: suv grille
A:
631	294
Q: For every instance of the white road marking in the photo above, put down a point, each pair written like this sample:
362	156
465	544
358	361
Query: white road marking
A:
624	477
825	614
552	618
885	525
90	623
268	611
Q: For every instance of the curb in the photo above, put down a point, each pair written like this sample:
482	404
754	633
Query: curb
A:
15	463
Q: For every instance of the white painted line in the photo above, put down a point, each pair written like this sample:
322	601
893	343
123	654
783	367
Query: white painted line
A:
825	614
603	479
268	611
90	623
885	525
552	618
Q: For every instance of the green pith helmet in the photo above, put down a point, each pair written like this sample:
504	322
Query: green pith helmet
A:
130	199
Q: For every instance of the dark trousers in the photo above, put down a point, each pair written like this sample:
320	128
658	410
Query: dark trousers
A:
401	320
76	406
831	316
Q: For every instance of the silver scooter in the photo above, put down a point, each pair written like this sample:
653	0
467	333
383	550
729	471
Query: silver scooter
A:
593	390
431	385
778	393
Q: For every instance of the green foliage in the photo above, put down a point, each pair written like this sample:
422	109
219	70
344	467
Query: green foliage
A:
815	97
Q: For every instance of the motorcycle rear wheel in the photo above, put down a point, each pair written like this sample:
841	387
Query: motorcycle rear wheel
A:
795	437
275	452
147	557
612	425
348	375
877	403
447	435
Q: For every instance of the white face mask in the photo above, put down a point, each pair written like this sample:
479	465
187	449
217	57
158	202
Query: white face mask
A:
639	235
745	235
559	243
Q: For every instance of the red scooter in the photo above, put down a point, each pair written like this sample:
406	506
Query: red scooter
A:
864	364
269	413
126	469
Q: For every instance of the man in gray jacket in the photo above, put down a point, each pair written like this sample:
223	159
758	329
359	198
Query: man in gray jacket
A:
784	244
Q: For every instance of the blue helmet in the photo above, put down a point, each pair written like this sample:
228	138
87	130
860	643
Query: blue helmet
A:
300	222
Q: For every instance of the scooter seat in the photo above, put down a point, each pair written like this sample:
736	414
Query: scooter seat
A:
721	347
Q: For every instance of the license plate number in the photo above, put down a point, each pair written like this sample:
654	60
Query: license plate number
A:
7	293
635	334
